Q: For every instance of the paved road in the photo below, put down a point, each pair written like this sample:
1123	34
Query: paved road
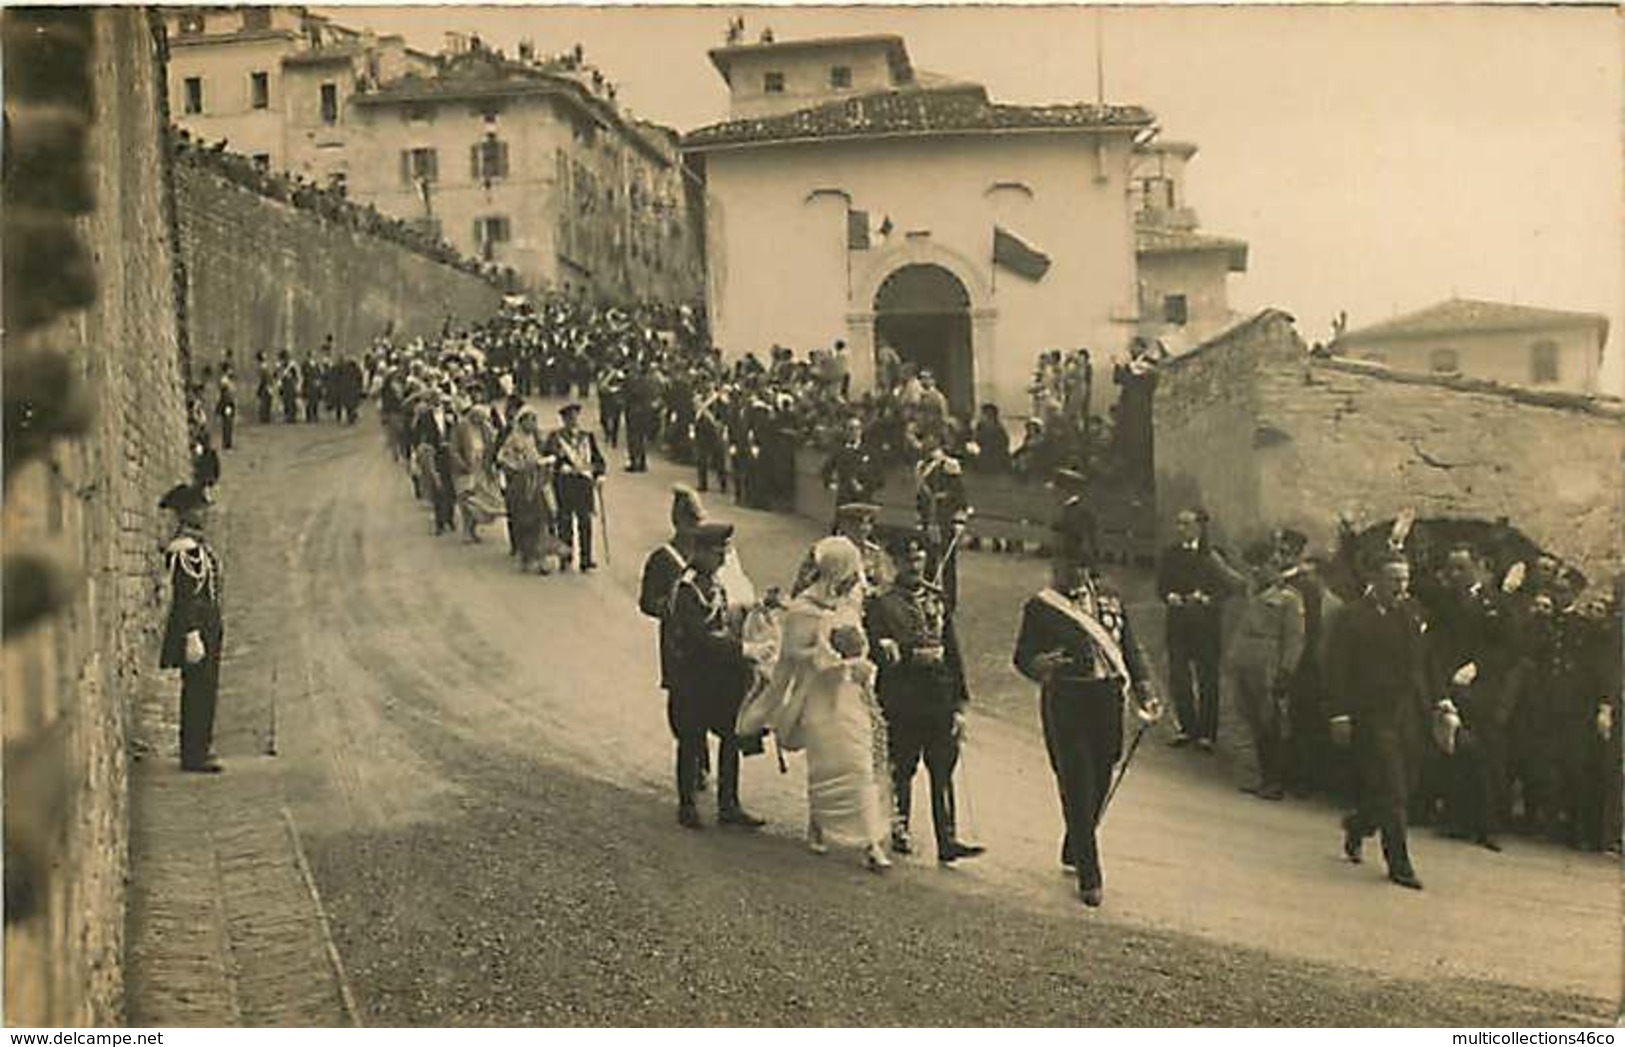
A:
479	766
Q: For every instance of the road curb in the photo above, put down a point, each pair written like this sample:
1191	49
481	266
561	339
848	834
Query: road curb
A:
351	1007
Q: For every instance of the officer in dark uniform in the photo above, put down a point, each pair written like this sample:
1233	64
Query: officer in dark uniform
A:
1077	644
642	411
288	385
1310	760
611	406
661	570
1376	674
707	676
944	510
225	407
852	471
922	694
711	438
194	634
580	468
314	378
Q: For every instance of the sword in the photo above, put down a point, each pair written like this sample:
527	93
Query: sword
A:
603	514
1122	771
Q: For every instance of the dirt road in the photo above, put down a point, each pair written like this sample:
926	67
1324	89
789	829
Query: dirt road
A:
479	764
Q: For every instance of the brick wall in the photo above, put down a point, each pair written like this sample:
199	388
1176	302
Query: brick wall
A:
1263	436
265	275
69	683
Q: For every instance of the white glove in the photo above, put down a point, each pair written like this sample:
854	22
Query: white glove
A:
194	648
1605	721
890	651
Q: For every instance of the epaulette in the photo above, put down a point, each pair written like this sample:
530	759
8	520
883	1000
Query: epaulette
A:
183	543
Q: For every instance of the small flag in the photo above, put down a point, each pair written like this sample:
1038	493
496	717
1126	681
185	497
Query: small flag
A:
885	228
1010	251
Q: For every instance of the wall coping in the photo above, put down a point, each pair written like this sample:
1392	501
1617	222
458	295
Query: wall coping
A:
1599	405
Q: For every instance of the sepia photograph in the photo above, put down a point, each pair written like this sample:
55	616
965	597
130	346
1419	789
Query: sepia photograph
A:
708	516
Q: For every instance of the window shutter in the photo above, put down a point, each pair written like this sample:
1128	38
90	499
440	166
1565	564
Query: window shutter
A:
502	159
433	165
406	167
857	230
474	161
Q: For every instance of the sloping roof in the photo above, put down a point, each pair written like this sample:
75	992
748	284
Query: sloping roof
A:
1469	316
1150	239
896	53
959	109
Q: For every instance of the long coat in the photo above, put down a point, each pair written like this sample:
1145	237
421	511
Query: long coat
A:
1376	674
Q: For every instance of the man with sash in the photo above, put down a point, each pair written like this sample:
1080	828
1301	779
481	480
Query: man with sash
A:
922	694
194	634
661	570
1077	644
943	506
580	469
711	438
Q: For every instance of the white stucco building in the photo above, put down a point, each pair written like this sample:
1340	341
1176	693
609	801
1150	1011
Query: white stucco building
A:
850	196
867	204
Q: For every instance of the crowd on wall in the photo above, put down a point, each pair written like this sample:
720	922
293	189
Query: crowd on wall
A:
332	204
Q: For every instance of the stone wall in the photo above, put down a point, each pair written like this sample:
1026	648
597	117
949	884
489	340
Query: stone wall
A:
1263	435
266	275
69	683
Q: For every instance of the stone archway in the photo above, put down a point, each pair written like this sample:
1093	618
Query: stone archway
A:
923	312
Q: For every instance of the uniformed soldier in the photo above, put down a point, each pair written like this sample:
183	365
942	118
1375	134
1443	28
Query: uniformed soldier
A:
707	676
580	469
195	632
1311	763
225	407
661	570
851	471
1264	651
854	521
611	389
1077	644
944	509
711	438
922	694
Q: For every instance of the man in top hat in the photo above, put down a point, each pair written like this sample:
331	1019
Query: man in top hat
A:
923	696
854	521
706	677
1077	644
195	632
580	469
851	470
1077	530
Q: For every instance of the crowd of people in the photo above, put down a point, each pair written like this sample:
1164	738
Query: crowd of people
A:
331	202
1426	682
1436	682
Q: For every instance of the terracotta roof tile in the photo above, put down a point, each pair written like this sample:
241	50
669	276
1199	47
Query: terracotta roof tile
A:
1459	315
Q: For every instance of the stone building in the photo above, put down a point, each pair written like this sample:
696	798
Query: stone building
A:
1263	434
1184	272
1510	344
851	196
531	165
275	82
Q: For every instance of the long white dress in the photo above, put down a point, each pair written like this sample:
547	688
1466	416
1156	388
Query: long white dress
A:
838	725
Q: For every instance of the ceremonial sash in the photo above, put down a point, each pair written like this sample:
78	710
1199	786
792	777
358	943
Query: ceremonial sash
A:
572	453
1102	638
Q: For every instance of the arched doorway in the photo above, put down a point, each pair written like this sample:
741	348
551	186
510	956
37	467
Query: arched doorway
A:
923	312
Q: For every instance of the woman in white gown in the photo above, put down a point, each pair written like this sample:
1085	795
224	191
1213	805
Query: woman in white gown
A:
827	706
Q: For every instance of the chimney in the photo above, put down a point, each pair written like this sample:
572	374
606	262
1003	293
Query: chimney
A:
1159	184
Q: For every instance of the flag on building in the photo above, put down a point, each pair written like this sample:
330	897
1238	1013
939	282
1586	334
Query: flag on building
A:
1015	254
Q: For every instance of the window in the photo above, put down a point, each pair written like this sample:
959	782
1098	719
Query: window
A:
419	165
262	161
488	232
773	83
193	103
1444	361
1175	310
330	104
191	24
419	114
256	18
259	90
840	77
1543	363
488	159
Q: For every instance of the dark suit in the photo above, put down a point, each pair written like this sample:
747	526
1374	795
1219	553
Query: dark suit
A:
1375	674
575	485
920	692
1193	636
705	674
1082	705
854	473
194	575
438	437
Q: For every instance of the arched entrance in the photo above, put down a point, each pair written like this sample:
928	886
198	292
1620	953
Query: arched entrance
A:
923	312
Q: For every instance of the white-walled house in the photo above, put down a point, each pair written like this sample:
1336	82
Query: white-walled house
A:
901	207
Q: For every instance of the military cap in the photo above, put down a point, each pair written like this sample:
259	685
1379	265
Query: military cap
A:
712	534
903	541
1070	479
183	497
569	409
857	511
